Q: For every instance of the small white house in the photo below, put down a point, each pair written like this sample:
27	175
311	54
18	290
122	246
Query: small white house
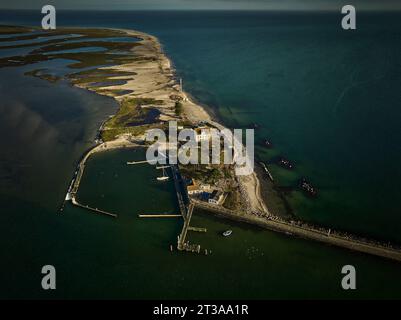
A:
216	197
193	189
202	134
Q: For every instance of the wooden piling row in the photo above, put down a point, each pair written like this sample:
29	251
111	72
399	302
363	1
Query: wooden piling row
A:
96	210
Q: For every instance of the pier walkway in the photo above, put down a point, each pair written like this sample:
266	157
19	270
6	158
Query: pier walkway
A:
186	209
182	237
197	229
180	190
96	210
137	162
159	215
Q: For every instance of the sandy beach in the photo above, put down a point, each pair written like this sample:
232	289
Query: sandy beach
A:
155	78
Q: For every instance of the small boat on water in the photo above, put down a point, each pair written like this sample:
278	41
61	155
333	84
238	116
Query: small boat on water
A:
267	143
163	177
227	233
285	163
307	187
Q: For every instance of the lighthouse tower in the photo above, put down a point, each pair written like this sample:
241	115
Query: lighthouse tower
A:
182	91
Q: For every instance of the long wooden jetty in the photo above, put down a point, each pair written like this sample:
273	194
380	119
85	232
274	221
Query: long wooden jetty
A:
96	210
186	209
183	235
197	229
159	215
137	162
179	188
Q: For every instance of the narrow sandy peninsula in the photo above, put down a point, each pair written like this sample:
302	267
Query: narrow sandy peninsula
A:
151	81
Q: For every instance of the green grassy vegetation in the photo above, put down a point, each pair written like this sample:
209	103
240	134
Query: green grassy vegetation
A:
25	37
22	60
88	59
185	123
95	59
100	72
14	29
106	82
233	200
40	73
113	92
98	75
84	59
178	108
202	173
64	44
130	111
176	97
111	133
93	32
227	172
109	45
84	32
31	44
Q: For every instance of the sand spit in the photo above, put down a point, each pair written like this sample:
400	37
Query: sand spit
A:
154	77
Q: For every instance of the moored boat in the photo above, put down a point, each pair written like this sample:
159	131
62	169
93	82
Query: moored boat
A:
307	187
255	125
268	143
227	233
162	178
285	163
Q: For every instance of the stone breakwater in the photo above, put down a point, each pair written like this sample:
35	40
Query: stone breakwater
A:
303	230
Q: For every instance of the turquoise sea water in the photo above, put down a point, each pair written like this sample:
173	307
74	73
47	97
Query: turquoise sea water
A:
328	99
